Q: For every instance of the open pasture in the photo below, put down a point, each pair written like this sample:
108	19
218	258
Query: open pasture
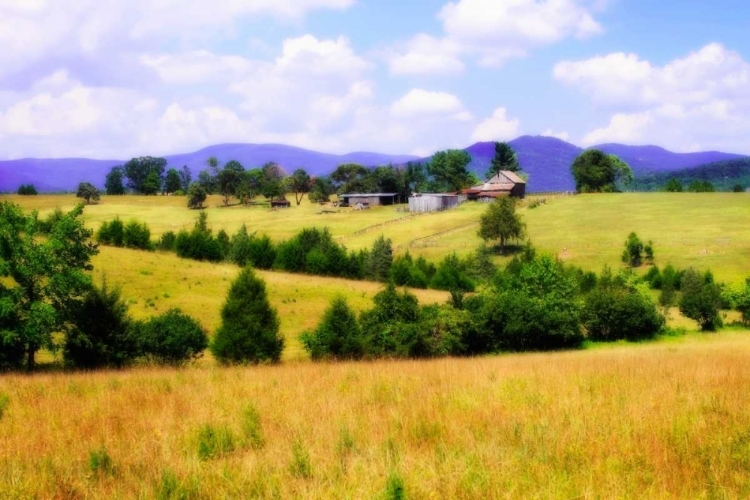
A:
666	420
704	230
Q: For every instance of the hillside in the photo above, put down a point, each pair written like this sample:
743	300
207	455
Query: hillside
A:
723	175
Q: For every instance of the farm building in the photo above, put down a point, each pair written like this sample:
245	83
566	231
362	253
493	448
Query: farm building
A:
369	199
505	183
280	204
431	202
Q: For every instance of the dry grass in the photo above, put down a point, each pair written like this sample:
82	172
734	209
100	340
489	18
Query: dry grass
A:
655	421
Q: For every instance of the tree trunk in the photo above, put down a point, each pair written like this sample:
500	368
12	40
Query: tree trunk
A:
30	361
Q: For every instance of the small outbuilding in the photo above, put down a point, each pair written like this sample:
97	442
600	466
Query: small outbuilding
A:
280	204
504	183
369	199
432	202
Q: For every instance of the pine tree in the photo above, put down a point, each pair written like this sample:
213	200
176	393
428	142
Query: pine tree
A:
249	331
505	159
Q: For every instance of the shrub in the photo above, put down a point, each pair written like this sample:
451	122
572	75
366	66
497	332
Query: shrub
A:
167	240
738	188
111	233
534	306
633	253
239	250
391	325
197	194
199	244
617	312
222	239
452	274
337	336
100	462
443	330
49	222
173	338
252	429
261	252
701	300
137	235
249	331
102	335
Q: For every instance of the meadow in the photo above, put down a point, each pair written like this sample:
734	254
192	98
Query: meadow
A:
664	419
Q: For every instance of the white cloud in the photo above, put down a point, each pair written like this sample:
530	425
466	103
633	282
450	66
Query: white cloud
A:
425	54
32	32
564	136
497	128
702	98
493	32
197	67
420	103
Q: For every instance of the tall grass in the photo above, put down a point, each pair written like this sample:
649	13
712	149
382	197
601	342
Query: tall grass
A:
663	420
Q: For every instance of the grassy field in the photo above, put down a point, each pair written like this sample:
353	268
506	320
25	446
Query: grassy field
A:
704	230
666	420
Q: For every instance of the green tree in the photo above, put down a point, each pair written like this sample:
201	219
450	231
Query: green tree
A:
698	186
229	179
172	183
114	181
595	172
172	338
145	174
102	335
337	336
632	255
738	188
249	331
273	181
299	183
27	189
701	299
47	275
196	195
624	177
350	178
380	259
673	186
415	178
208	181
88	192
185	178
250	186
505	159
321	189
501	222
449	170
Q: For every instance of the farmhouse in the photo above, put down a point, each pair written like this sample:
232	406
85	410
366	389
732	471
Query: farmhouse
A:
369	199
432	202
505	183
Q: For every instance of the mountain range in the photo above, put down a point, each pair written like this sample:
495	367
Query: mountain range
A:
547	160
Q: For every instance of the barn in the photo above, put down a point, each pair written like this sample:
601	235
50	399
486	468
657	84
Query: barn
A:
432	202
504	183
369	199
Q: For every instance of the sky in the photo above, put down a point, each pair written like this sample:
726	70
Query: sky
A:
116	79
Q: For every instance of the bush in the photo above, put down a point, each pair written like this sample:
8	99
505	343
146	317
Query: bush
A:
391	326
261	252
173	338
102	335
46	225
534	306
111	233
337	336
617	312
27	189
701	300
137	235
197	194
633	253
199	244
249	331
167	240
452	274
380	260
239	249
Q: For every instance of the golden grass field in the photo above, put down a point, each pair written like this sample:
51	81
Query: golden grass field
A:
666	420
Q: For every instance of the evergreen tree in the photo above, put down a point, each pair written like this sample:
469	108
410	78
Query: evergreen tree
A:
381	259
337	336
173	183
505	159
249	331
114	181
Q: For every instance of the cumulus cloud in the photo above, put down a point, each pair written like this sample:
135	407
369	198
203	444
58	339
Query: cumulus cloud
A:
498	127
420	103
700	100
493	32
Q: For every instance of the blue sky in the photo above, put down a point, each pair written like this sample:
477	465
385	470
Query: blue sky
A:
119	79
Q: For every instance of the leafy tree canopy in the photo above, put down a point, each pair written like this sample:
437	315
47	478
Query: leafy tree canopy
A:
501	222
145	174
88	192
597	172
114	181
449	170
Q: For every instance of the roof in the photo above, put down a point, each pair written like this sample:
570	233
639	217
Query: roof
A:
513	177
367	194
434	194
494	194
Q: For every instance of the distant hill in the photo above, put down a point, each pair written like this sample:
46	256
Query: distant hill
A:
65	174
547	160
722	174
